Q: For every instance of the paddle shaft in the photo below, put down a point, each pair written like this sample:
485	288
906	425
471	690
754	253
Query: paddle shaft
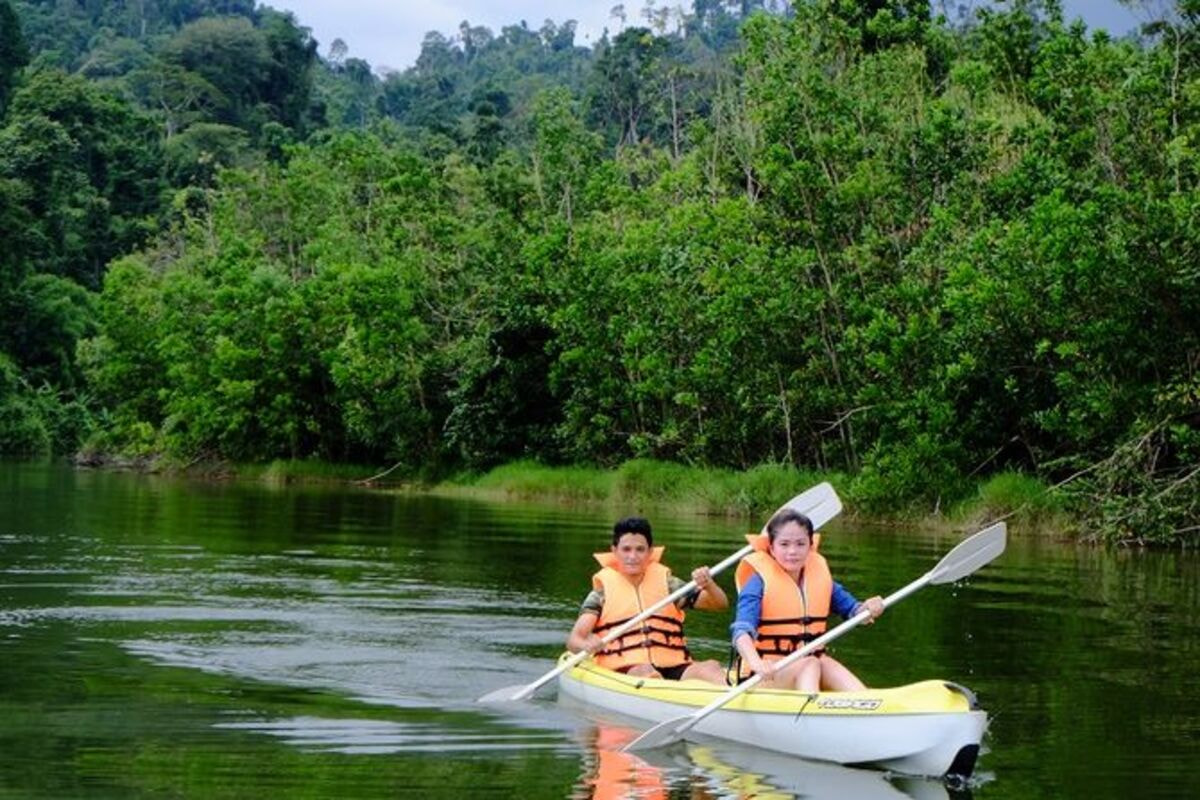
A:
625	627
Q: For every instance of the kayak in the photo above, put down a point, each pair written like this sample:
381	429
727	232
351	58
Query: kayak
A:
930	728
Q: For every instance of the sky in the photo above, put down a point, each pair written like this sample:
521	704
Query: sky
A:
388	33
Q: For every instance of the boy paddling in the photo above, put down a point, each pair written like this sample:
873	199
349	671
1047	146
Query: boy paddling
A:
632	578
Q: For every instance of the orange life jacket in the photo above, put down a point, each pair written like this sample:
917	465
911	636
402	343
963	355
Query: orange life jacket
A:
658	641
792	615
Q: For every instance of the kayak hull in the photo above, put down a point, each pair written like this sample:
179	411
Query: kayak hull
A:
931	728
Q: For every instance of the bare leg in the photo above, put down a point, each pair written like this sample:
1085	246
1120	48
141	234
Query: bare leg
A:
804	675
836	677
809	677
709	671
643	671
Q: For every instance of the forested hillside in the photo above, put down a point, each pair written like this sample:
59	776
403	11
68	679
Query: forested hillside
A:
847	236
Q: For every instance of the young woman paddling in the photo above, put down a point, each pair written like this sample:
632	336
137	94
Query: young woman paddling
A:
632	578
785	594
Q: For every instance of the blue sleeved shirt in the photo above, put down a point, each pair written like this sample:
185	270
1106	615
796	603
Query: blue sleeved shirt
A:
749	606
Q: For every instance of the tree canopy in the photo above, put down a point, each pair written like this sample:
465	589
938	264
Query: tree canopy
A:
848	236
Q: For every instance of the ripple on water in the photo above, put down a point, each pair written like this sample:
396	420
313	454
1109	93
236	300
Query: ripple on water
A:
375	737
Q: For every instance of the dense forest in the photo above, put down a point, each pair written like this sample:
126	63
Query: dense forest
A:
849	236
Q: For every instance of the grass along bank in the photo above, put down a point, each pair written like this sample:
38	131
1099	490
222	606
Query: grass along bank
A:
646	483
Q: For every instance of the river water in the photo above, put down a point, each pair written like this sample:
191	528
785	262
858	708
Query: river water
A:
165	638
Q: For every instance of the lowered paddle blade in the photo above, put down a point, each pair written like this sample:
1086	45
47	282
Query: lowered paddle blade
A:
506	695
661	734
970	554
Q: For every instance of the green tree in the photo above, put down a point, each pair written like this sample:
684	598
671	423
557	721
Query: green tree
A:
230	54
194	157
14	54
622	73
23	429
564	152
123	361
96	164
176	95
288	83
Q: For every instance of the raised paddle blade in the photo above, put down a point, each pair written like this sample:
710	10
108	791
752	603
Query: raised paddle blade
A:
820	504
663	733
970	554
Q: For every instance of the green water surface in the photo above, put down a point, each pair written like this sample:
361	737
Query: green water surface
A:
164	638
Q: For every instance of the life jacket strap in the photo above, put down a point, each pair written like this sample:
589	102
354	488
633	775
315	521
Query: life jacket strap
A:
673	625
649	635
783	645
613	651
766	623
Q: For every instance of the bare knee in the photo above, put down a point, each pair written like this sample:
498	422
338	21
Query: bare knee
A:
709	671
836	677
804	676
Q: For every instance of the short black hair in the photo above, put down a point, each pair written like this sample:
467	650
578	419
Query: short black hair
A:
785	516
632	525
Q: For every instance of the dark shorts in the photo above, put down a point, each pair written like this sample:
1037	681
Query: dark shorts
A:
673	673
668	673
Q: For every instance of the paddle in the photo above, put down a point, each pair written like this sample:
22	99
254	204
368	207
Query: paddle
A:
820	504
968	556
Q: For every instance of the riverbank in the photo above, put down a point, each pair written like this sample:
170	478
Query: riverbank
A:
644	483
1026	502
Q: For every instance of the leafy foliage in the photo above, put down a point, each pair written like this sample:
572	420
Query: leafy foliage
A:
852	238
14	53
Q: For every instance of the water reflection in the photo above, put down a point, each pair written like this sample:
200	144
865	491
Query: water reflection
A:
715	770
609	774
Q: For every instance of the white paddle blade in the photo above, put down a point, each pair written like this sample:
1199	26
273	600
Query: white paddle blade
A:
820	504
970	554
663	733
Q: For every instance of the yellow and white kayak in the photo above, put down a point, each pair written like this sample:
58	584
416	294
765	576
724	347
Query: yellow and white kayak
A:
931	728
